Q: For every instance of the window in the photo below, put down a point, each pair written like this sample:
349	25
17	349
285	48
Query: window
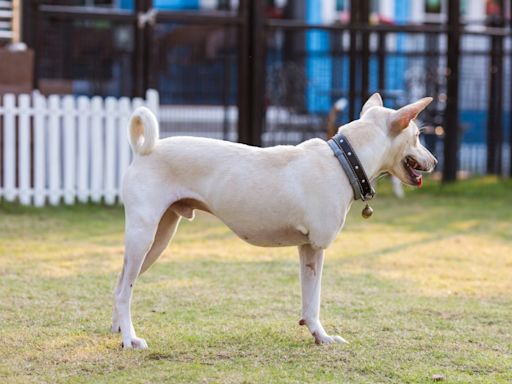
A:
492	8
375	7
342	5
433	7
437	7
224	4
463	7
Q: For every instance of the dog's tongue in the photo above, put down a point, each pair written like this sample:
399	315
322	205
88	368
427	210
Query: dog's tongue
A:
419	181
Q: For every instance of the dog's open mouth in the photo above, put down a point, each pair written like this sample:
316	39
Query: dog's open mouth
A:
413	169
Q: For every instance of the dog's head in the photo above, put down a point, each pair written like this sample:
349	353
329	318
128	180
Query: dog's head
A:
405	156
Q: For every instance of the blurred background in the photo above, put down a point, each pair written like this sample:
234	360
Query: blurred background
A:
260	72
422	291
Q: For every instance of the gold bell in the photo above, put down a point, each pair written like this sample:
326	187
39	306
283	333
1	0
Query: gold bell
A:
367	211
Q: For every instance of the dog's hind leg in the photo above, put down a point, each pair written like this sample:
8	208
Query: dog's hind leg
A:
166	230
164	234
139	236
116	327
311	265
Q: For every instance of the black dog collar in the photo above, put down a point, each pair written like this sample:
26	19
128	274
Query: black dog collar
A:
345	154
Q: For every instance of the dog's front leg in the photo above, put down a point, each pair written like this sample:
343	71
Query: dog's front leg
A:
311	264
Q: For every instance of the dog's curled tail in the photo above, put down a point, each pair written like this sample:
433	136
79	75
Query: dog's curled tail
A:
143	131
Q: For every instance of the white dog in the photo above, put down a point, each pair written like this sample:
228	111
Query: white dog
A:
279	196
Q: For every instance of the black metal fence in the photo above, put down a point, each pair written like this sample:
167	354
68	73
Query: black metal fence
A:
239	75
195	69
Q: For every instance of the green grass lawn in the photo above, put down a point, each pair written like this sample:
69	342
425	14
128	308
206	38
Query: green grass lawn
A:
422	288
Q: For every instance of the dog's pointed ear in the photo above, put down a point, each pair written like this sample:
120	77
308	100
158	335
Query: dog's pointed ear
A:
399	120
374	101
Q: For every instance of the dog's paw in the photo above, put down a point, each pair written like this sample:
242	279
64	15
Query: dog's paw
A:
326	339
115	328
135	343
318	332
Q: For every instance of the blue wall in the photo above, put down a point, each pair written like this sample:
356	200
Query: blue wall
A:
474	125
318	62
398	65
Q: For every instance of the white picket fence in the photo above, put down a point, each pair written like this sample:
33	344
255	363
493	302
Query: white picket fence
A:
69	149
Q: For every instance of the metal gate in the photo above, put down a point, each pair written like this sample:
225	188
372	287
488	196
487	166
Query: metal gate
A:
241	75
202	64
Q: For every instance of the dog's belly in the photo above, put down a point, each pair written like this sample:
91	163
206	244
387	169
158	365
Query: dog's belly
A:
271	237
270	225
251	231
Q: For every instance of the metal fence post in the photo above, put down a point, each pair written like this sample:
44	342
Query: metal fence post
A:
510	113
451	141
251	72
359	55
36	41
364	19
141	50
353	59
243	73
495	100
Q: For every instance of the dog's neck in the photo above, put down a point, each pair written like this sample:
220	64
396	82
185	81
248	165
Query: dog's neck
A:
370	144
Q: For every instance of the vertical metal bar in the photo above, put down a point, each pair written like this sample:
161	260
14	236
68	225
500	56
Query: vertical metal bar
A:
258	79
147	35
353	56
243	73
381	52
137	54
251	86
226	84
141	48
36	41
510	106
364	19
27	29
495	101
451	141
498	108
491	144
